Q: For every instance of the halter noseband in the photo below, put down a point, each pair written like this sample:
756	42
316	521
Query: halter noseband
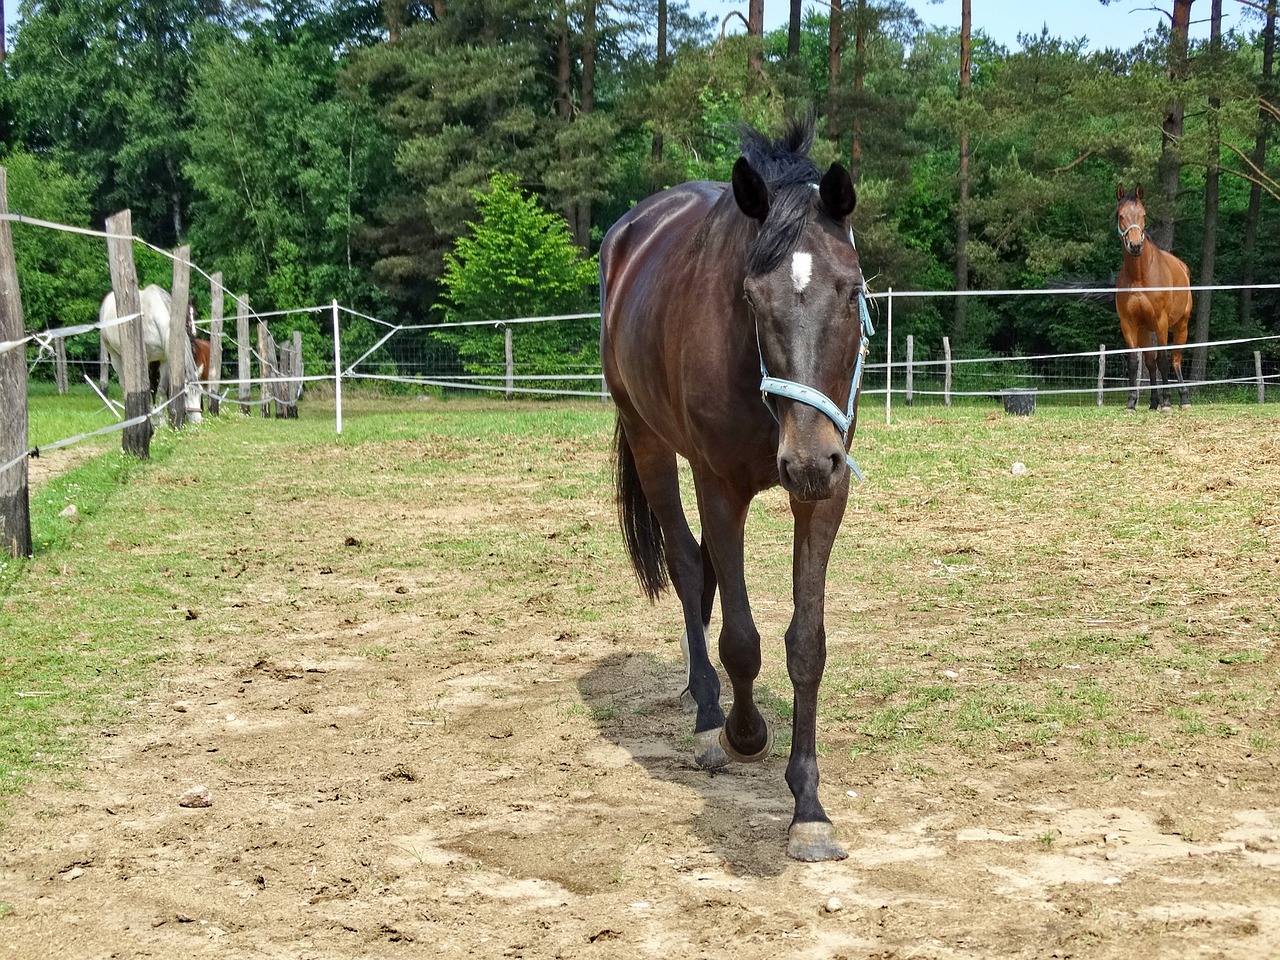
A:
792	390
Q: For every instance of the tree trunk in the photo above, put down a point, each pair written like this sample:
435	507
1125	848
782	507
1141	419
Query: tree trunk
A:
1	31
1259	158
1209	242
655	151
834	46
793	31
393	12
755	28
861	27
582	233
962	210
1170	166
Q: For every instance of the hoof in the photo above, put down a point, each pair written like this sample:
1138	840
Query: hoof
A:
1166	409
707	752
1184	406
813	842
745	758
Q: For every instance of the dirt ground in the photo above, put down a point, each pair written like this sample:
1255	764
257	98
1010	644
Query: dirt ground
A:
525	790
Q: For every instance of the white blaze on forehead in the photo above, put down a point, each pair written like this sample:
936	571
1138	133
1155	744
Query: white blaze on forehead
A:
801	270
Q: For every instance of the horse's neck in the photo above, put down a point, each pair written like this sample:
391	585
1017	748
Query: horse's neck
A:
1144	266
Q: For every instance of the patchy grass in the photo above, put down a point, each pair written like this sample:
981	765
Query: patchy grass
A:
1120	593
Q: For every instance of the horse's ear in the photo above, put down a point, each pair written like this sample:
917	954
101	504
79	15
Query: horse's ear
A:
837	193
750	191
1119	193
1137	191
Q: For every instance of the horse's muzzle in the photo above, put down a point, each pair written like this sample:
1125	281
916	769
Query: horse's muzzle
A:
812	475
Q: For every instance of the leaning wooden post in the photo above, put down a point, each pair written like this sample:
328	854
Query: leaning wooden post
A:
511	364
1257	370
134	381
295	394
217	294
243	351
15	502
180	297
1102	371
946	371
911	349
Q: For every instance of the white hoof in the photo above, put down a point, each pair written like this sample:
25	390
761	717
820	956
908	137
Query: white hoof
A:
707	752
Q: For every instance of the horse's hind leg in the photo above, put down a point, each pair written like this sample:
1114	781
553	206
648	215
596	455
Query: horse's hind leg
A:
708	602
655	466
747	737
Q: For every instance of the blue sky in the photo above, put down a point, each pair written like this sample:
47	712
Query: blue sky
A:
1121	23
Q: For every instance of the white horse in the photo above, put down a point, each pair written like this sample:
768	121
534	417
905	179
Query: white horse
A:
155	303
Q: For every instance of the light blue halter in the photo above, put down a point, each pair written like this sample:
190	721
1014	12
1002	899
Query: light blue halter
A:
773	386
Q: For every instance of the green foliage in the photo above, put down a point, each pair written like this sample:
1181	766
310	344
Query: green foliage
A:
516	261
61	276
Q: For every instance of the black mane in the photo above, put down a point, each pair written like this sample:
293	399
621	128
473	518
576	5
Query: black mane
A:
791	177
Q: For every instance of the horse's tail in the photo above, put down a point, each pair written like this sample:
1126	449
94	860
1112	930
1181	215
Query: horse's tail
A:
640	529
1096	291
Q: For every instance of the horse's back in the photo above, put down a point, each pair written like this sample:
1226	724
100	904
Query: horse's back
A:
648	235
650	285
153	300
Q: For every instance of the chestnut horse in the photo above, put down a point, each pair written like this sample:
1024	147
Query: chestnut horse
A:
705	289
1151	315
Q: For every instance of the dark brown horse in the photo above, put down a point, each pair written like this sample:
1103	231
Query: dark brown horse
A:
1151	316
706	289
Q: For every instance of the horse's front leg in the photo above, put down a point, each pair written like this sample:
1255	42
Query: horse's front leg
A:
811	836
1153	374
746	738
1135	359
1166	380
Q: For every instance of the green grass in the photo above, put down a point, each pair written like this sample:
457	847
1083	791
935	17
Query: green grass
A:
1117	595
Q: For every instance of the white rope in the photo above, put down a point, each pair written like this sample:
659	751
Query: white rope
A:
46	337
1066	291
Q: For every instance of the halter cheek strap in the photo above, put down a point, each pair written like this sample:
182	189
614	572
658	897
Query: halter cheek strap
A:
792	390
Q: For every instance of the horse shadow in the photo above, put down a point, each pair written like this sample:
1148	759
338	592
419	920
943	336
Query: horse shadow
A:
634	700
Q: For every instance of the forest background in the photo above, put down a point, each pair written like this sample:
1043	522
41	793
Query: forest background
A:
430	160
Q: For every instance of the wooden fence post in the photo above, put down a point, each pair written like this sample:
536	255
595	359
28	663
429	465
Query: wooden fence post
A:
134	380
946	376
911	372
104	364
180	296
1257	370
60	364
511	365
216	306
15	503
242	353
296	392
1102	371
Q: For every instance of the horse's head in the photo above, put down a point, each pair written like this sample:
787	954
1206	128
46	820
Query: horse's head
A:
191	320
804	288
1131	220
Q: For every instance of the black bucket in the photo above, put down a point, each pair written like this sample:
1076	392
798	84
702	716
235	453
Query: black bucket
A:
1020	401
